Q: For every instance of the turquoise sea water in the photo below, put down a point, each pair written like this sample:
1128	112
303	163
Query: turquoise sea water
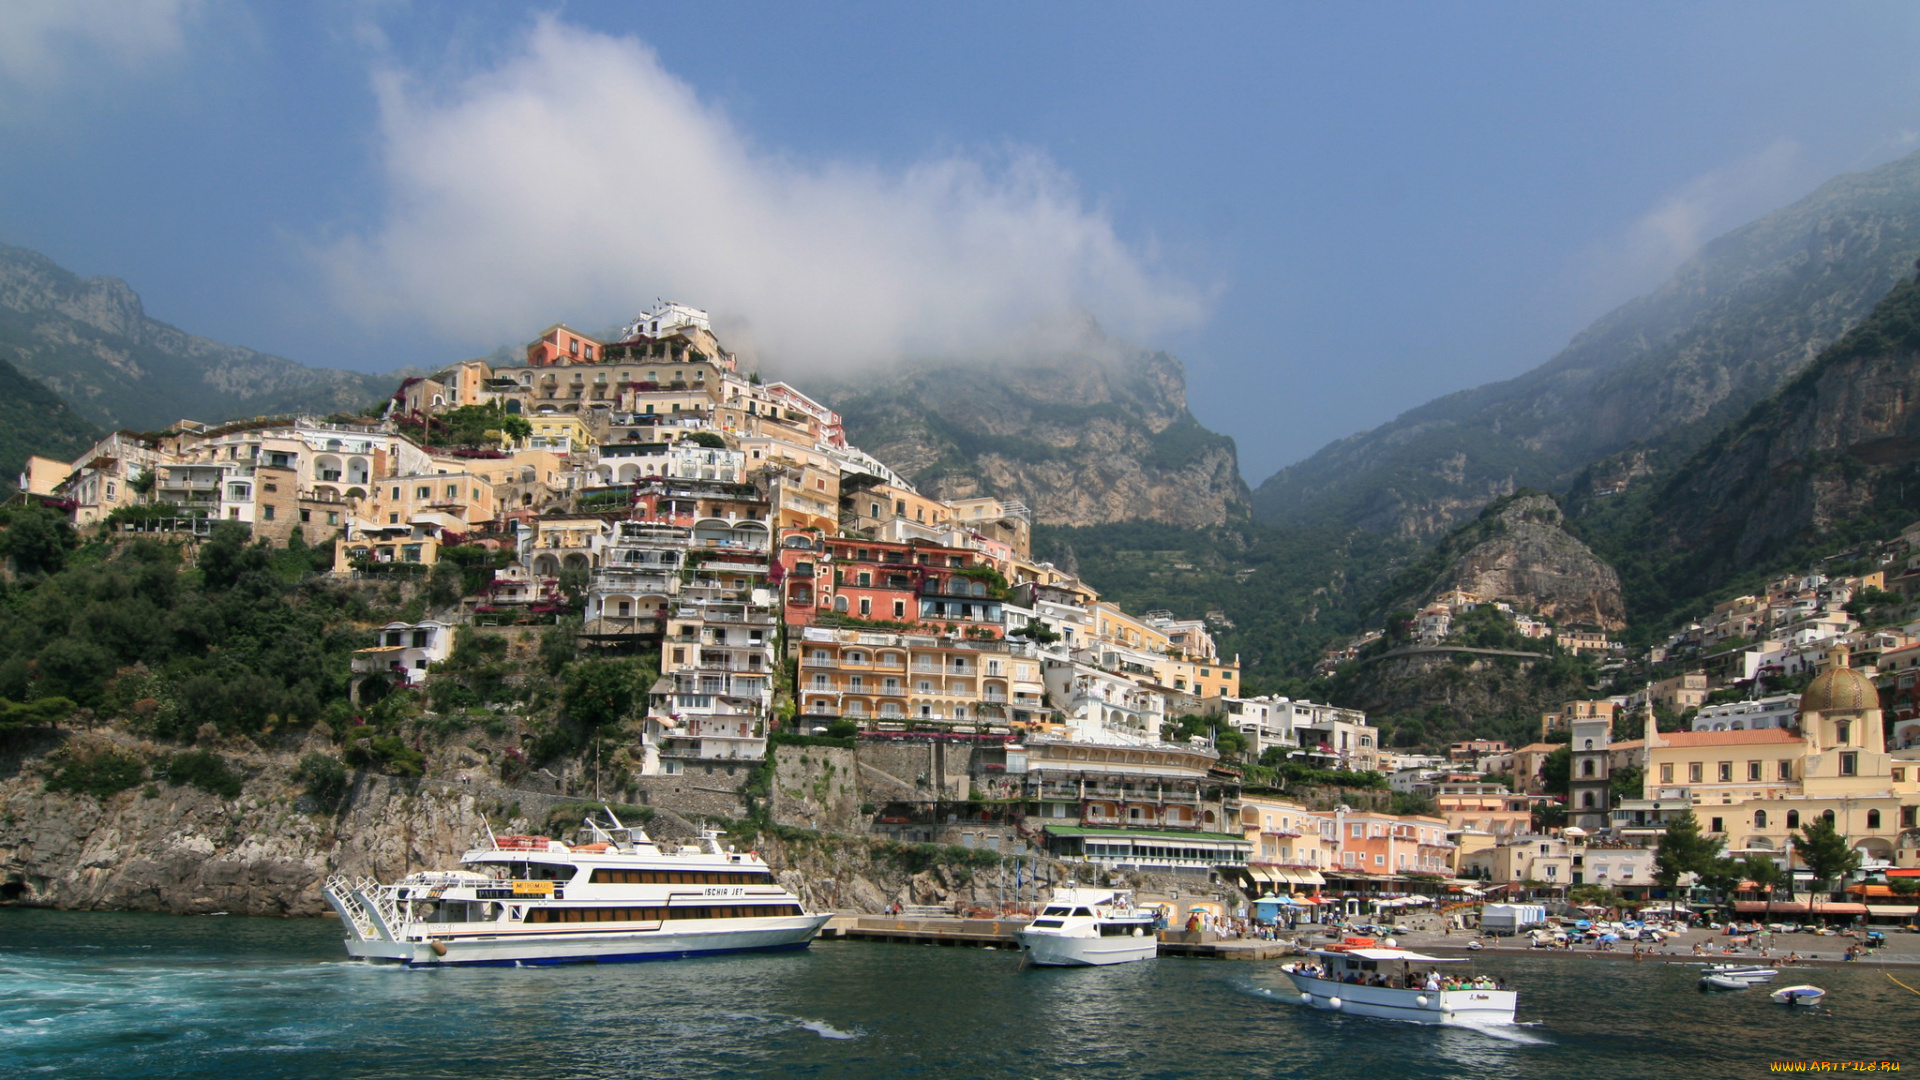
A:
109	995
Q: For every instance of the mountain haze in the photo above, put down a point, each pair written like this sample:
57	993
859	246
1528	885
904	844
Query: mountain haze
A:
90	341
1666	370
1086	433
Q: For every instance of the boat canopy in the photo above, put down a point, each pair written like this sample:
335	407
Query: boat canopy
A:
1391	954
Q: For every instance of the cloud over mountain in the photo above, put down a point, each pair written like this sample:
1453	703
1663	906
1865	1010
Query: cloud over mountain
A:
579	179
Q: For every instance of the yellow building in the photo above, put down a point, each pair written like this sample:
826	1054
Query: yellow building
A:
1756	789
1291	845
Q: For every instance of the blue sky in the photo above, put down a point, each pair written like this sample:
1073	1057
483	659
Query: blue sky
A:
1332	213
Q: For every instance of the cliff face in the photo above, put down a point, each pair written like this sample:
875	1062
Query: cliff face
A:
1529	560
90	341
1668	369
1838	446
1085	435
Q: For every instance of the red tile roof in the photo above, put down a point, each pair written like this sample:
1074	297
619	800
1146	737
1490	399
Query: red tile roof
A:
1728	738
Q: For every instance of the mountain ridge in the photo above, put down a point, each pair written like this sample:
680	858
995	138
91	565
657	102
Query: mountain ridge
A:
1734	322
91	341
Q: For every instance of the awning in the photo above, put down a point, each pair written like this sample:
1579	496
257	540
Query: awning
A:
1302	876
1264	873
1893	909
1796	907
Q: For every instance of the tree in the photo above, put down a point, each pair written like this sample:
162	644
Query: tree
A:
1826	852
37	541
710	440
43	713
1556	772
1763	872
1903	886
1683	850
1627	783
598	692
1722	875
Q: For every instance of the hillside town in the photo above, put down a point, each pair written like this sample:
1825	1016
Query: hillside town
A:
650	495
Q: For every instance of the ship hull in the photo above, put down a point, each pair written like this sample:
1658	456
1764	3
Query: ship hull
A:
1053	950
1457	1008
596	947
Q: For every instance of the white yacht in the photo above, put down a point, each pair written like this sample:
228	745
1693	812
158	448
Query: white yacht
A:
1089	927
1384	982
536	900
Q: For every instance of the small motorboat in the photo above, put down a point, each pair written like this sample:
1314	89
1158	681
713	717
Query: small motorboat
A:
1710	983
1746	973
1473	946
1798	995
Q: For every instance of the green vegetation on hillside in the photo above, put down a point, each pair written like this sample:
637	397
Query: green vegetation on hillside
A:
33	420
1287	593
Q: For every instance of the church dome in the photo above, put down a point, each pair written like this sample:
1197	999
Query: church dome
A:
1839	689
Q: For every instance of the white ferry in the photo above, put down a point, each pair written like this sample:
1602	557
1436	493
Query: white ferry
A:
536	900
1365	980
1080	927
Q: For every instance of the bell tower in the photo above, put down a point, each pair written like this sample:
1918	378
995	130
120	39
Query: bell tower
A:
1590	784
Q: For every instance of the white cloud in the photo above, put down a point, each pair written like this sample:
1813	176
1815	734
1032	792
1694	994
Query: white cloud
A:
1701	209
579	179
48	44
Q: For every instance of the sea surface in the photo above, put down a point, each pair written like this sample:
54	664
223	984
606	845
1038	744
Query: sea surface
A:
132	995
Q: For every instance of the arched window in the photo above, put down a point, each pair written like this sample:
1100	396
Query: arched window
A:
1586	800
840	604
1586	768
1873	820
1793	819
1843	731
1826	816
1759	819
1589	744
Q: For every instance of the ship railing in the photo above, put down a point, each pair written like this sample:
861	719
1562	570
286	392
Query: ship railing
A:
349	905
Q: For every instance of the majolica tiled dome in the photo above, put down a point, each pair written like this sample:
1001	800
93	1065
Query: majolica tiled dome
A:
1839	689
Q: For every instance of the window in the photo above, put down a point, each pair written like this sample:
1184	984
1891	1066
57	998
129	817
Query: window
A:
1786	770
1695	772
1909	816
1666	772
1849	764
1899	776
1793	819
333	517
1586	767
899	609
1715	825
1759	819
1359	831
1843	731
1753	770
1873	821
267	512
1726	772
305	515
453	491
866	606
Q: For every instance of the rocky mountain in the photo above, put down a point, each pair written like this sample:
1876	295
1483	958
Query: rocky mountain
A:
1085	434
33	420
1665	371
1519	551
90	341
1830	458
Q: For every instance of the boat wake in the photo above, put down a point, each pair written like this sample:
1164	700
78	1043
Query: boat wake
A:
826	1030
1513	1033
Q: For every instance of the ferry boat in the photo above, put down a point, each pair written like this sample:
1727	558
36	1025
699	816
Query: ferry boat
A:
1089	927
537	900
1367	980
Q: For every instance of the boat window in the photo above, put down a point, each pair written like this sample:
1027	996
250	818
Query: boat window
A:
549	872
1057	911
608	876
1083	912
1046	922
657	914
